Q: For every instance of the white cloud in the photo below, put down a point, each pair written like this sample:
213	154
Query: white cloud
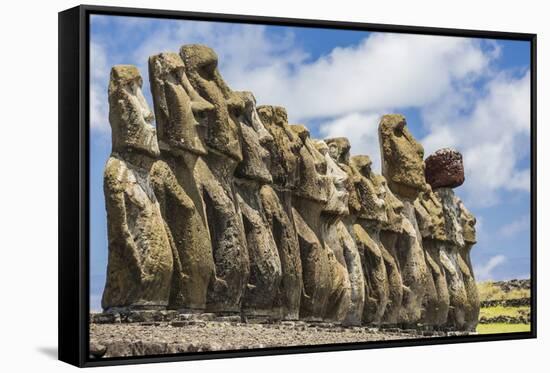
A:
383	71
517	226
491	136
485	272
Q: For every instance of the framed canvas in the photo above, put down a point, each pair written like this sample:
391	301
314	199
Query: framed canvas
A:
235	186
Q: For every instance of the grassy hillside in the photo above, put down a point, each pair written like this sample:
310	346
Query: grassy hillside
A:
504	307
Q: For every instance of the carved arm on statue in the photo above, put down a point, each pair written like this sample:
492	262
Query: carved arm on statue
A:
118	222
164	181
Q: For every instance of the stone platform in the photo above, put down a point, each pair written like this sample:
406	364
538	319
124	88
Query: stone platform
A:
166	332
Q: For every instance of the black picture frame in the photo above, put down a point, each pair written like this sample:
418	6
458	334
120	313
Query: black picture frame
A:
74	83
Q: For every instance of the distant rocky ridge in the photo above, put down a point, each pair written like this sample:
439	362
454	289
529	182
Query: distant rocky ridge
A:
228	209
508	285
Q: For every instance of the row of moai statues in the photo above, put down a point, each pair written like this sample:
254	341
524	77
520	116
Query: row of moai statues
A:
227	208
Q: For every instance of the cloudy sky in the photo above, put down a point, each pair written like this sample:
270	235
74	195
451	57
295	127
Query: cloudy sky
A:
470	94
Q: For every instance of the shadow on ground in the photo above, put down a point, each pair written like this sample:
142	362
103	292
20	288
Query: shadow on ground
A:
50	352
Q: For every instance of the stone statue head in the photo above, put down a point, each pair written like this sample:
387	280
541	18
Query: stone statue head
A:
129	115
178	108
371	195
402	157
313	183
284	147
451	211
468	221
394	206
201	67
430	215
339	148
256	140
338	195
339	151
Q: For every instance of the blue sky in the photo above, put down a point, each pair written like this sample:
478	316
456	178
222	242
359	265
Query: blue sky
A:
470	94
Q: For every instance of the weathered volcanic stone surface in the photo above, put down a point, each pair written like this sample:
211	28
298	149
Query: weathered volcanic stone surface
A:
140	264
468	222
316	276
256	158
177	105
320	192
201	67
337	202
215	172
394	206
376	280
284	149
430	216
280	221
251	173
227	233
335	209
444	168
308	201
194	267
431	222
339	150
138	340
402	157
313	182
340	230
265	266
371	196
230	213
450	258
436	312
390	229
355	273
129	115
418	282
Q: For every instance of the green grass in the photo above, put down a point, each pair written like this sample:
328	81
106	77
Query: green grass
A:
502	311
489	291
502	328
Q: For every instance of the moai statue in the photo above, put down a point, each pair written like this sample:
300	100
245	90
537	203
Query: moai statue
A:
442	168
309	200
402	157
139	271
338	149
403	168
468	221
370	215
223	133
214	172
431	223
335	239
390	231
250	177
449	256
177	105
283	147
